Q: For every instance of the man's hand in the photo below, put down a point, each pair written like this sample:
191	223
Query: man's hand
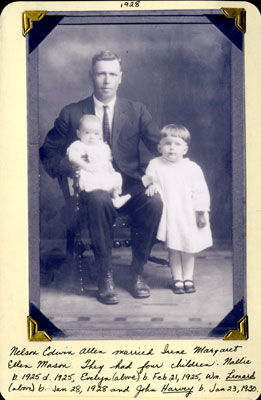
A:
201	219
151	190
67	168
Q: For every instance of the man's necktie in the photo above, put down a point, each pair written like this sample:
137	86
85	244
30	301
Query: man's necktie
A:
106	125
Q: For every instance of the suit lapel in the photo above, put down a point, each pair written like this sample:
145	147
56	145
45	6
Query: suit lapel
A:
120	115
88	106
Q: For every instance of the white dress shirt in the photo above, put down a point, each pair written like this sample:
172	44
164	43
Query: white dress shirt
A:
98	108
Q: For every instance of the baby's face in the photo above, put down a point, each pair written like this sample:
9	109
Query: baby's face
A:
173	148
90	132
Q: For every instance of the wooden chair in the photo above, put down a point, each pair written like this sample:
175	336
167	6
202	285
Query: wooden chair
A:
76	246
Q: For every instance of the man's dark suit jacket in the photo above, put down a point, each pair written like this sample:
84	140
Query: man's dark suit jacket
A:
131	123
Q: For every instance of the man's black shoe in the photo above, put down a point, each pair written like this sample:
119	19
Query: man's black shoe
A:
140	289
106	290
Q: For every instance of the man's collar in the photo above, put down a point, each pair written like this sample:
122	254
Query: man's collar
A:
98	103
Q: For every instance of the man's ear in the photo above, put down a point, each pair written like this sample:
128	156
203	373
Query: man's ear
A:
120	76
78	133
159	148
91	75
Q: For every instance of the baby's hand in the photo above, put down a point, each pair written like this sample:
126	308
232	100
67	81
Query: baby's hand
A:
151	190
85	157
201	219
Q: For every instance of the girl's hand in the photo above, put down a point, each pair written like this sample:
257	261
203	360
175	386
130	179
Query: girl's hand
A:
151	190
201	219
147	180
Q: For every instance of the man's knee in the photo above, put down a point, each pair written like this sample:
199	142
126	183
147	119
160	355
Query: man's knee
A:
96	199
155	205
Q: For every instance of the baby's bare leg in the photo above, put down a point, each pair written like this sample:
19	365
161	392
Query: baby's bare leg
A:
119	201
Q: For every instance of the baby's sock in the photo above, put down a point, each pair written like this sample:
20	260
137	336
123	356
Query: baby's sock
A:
118	202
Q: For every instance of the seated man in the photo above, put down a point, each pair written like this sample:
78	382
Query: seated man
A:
125	123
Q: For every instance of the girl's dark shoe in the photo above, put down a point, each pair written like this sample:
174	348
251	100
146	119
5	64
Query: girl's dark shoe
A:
178	289
189	286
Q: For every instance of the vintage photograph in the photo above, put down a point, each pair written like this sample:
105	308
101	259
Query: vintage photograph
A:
136	174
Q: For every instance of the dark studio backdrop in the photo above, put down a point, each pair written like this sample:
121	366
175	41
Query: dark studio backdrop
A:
182	72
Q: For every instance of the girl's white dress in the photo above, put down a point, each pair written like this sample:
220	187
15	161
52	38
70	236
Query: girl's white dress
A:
183	190
99	172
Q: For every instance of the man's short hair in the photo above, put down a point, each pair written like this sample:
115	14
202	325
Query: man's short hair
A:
105	56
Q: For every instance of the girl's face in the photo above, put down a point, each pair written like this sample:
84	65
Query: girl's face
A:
173	148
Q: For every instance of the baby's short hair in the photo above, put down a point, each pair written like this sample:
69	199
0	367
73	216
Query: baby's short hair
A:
89	117
175	130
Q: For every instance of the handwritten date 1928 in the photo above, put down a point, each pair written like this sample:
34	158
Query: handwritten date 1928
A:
130	4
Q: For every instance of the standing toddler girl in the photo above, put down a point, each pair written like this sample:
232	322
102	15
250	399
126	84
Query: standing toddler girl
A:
184	225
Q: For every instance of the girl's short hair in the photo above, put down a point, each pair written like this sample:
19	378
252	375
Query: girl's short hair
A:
175	130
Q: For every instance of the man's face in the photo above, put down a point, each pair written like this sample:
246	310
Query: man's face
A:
106	77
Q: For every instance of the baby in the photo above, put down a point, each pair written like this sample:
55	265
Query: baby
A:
184	225
94	159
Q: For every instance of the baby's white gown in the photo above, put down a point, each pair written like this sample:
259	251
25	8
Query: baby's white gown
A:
101	174
184	190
